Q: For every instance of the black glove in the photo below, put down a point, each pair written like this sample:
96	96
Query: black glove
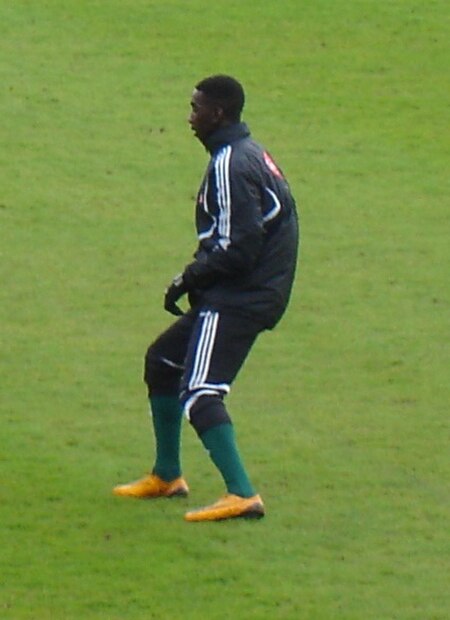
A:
173	293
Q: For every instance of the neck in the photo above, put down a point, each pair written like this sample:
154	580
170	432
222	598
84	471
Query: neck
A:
225	134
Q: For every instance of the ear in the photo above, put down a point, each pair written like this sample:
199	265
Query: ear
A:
219	114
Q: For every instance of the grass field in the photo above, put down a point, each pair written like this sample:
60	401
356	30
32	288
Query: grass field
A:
342	412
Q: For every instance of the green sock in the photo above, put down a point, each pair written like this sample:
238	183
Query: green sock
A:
221	445
166	417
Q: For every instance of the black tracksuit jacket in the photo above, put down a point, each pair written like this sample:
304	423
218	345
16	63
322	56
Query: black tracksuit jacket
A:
247	228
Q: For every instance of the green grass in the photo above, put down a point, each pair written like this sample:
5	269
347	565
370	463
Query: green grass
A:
342	412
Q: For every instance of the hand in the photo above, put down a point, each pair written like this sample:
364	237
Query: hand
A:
173	293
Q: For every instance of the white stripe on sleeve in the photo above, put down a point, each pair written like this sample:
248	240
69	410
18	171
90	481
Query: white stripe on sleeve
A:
222	171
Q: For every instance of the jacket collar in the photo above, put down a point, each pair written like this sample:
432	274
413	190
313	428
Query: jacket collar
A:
226	135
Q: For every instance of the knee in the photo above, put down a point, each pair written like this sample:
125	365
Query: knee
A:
160	375
204	411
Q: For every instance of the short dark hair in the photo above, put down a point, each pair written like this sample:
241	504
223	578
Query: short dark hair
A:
226	92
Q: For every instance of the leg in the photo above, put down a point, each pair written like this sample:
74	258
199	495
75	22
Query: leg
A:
218	347
164	363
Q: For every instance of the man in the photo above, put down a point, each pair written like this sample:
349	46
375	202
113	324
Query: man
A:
238	285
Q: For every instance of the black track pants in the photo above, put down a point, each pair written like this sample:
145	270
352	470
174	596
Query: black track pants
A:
197	358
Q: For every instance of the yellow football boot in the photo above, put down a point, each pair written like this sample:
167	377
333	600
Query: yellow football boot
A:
152	486
229	507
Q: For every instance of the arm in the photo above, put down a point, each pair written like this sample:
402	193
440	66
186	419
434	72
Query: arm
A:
239	231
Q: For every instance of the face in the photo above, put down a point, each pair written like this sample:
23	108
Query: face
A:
205	117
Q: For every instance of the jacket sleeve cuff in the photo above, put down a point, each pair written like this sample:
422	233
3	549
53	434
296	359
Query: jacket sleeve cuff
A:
196	275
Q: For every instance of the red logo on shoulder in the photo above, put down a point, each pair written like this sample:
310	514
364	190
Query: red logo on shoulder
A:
272	165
